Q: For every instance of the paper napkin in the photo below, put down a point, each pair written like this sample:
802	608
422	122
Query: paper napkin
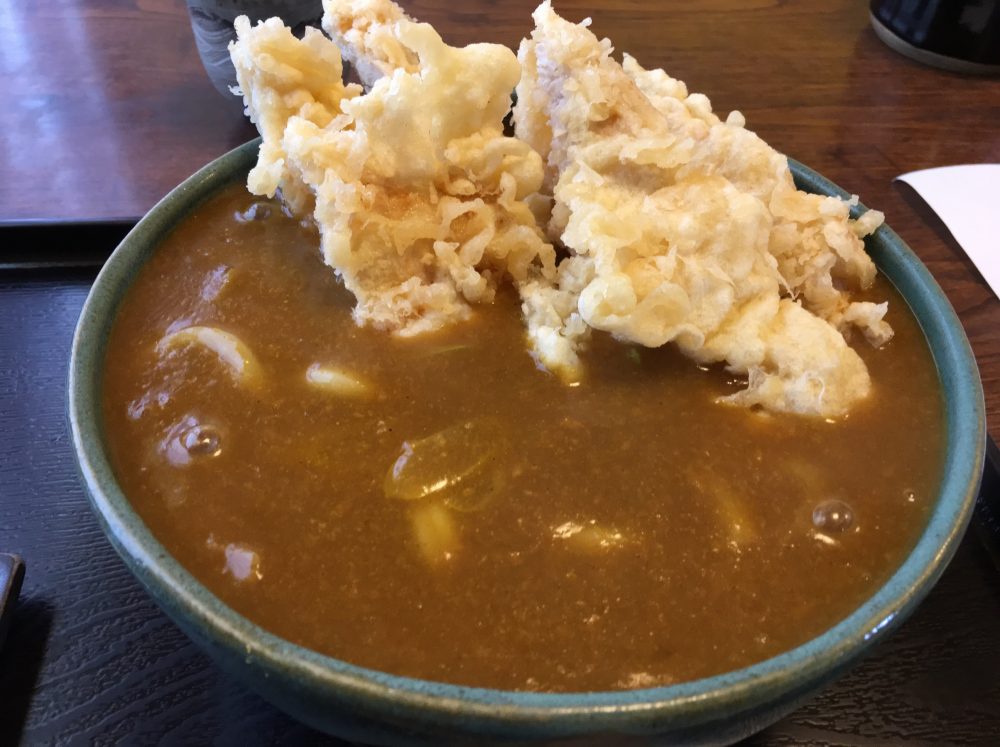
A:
967	200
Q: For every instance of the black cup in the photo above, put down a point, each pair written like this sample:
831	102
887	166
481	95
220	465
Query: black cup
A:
960	35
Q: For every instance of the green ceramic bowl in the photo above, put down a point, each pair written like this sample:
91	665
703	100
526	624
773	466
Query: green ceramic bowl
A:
380	708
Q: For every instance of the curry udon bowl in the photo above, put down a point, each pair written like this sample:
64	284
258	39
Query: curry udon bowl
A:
381	708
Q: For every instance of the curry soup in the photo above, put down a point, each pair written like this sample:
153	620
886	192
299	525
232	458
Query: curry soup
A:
440	507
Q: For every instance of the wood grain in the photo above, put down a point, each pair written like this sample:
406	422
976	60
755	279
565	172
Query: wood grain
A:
106	108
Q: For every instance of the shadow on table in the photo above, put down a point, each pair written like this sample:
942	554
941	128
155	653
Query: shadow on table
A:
20	663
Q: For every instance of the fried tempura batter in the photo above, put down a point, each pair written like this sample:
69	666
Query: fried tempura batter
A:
812	236
416	191
687	229
680	227
280	78
365	31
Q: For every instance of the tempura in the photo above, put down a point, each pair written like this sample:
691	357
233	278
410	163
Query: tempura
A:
686	229
417	193
679	227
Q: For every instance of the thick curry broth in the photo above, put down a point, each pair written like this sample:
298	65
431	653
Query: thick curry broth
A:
698	554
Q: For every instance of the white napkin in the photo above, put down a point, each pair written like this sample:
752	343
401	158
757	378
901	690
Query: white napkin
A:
967	200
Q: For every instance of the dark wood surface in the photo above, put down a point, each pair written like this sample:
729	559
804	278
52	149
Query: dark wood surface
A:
106	108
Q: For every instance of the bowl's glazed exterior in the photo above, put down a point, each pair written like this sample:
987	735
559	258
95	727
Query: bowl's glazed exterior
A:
379	708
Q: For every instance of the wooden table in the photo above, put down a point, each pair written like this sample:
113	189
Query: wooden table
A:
106	107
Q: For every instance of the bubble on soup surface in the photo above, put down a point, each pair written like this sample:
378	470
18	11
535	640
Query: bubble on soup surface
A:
256	211
833	516
190	440
202	441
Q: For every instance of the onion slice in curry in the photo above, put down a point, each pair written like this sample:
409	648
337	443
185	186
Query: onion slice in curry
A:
230	349
458	465
336	381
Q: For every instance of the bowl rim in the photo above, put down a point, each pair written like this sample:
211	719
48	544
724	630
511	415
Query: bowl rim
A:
694	701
